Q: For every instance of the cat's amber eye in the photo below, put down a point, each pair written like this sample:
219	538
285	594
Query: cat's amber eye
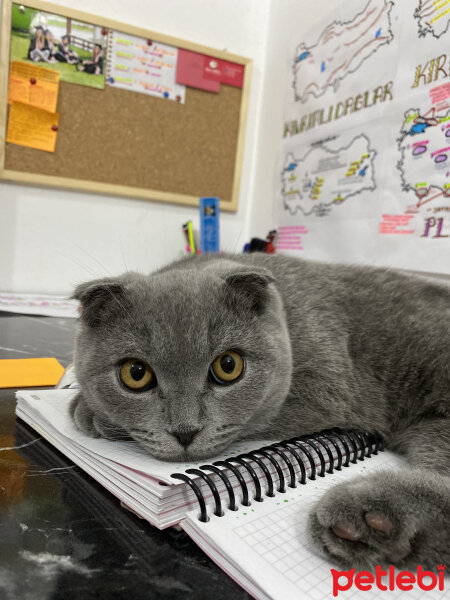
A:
227	367
136	375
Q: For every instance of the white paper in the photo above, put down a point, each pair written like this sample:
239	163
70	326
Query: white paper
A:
144	66
266	549
364	163
33	304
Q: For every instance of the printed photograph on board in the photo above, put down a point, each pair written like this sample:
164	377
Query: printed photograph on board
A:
73	48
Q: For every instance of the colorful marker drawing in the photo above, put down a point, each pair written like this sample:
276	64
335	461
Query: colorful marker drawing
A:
326	177
341	49
433	16
424	146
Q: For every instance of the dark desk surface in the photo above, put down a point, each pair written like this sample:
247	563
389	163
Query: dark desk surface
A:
62	535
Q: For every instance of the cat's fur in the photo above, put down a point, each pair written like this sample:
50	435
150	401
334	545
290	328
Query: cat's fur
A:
325	346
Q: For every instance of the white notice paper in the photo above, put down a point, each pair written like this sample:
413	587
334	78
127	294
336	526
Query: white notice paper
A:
142	65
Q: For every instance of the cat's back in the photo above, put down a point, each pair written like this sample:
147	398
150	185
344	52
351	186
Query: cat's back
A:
344	289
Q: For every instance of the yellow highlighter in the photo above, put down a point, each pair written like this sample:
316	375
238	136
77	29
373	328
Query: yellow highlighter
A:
190	236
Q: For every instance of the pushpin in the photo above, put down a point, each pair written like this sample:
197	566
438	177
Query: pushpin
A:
32	80
54	127
149	42
111	80
178	98
104	31
166	94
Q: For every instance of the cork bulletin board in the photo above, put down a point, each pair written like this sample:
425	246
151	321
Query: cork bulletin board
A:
122	142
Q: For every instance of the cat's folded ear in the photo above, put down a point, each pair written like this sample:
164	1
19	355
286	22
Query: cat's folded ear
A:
248	289
100	300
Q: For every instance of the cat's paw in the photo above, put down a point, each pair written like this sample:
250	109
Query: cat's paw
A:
94	424
375	520
83	416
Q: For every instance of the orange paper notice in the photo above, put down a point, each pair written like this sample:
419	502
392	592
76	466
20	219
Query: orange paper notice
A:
33	85
29	372
32	127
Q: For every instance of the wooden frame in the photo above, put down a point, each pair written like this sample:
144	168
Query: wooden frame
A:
104	188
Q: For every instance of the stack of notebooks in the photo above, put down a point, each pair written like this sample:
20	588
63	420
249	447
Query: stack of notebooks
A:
247	510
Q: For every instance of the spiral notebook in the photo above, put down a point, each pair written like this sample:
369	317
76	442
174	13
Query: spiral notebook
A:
247	509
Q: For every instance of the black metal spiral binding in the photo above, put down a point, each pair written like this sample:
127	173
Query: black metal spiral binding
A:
218	510
354	447
203	514
226	482
319	454
312	465
237	474
338	433
240	461
264	469
317	438
287	461
337	448
300	462
282	485
327	447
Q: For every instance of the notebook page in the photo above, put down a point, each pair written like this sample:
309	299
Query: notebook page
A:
51	408
264	547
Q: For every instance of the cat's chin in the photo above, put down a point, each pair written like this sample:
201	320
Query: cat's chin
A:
174	454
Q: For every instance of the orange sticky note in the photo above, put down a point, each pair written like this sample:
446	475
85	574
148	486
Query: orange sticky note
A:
33	85
32	127
29	372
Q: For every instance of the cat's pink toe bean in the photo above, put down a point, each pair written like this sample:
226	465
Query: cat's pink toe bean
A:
346	532
378	521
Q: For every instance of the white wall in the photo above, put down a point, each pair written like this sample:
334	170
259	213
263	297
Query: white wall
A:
288	19
50	240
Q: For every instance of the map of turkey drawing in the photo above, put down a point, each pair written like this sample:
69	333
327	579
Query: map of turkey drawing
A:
326	177
433	17
424	145
341	49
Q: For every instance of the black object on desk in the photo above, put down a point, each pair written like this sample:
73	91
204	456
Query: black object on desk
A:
64	536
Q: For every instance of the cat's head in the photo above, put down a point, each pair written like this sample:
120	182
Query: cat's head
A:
185	361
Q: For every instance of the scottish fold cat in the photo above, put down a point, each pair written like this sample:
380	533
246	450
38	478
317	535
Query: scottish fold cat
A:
212	349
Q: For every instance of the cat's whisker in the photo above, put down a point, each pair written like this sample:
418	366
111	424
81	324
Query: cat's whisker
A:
229	426
238	238
148	439
106	271
80	264
94	258
139	430
111	427
122	253
228	430
224	434
223	439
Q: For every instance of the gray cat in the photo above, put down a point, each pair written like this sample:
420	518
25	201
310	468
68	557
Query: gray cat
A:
212	349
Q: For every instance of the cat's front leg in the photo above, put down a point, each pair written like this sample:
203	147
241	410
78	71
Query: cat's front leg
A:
92	423
388	518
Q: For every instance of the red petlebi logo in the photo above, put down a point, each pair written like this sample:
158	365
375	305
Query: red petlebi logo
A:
388	580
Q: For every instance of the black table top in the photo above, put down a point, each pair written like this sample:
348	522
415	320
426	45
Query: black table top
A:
64	536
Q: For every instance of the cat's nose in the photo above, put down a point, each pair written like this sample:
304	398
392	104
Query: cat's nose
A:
185	436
